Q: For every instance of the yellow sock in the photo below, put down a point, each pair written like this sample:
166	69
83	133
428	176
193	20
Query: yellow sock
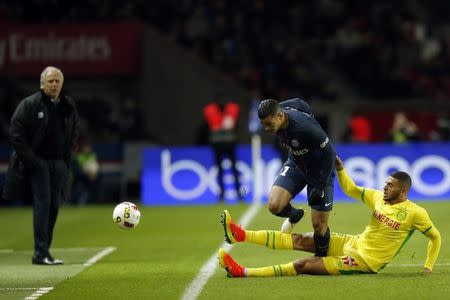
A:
270	238
272	271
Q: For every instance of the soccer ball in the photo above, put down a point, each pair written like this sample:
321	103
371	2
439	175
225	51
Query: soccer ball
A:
126	215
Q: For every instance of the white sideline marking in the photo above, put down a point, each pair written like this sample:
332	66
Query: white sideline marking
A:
44	290
99	256
41	291
207	270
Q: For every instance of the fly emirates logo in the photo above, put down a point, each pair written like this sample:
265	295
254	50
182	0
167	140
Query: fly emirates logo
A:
386	220
20	48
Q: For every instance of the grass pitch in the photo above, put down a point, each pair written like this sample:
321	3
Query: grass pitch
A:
161	257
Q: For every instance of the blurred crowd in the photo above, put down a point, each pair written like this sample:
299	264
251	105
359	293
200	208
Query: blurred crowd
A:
288	48
324	49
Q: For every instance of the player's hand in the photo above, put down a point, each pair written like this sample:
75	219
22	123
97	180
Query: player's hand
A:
426	271
338	163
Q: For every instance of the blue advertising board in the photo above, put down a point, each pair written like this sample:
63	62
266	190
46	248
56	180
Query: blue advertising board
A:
188	175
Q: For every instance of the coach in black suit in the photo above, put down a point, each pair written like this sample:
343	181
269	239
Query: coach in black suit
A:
43	133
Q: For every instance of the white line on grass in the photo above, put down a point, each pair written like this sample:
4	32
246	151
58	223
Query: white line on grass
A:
99	256
207	270
43	290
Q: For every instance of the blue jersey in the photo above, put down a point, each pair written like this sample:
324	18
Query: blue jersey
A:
309	146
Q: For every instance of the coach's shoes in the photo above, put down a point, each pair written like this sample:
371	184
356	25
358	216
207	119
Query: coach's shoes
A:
230	265
56	261
46	260
288	226
233	232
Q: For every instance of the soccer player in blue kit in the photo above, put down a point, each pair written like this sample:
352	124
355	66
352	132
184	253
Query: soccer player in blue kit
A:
310	163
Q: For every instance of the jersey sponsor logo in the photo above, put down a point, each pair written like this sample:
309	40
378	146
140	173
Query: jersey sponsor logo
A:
325	142
386	220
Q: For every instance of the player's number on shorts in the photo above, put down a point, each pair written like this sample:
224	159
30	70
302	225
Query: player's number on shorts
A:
285	169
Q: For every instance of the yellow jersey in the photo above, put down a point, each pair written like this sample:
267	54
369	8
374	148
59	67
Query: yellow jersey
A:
390	226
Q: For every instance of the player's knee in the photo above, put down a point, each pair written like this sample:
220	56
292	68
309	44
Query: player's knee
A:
298	241
274	206
320	226
301	266
303	242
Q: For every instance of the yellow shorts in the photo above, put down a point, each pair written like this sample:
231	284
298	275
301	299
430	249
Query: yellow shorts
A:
343	257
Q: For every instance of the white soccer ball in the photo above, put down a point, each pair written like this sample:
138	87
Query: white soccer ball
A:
126	215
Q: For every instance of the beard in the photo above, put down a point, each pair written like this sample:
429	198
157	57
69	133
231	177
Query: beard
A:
391	197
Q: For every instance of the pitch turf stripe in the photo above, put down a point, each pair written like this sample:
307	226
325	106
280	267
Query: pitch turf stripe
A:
20	289
416	265
207	270
88	263
75	249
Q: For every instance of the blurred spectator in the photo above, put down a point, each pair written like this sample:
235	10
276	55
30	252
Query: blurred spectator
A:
222	123
442	131
95	120
87	183
403	130
359	130
130	122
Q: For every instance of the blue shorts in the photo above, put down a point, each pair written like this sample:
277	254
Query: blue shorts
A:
292	180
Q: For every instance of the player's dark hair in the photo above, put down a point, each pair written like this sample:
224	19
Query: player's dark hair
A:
268	107
403	177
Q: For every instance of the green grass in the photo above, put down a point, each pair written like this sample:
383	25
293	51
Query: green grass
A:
164	253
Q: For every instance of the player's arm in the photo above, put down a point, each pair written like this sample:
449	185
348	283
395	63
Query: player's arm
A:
349	187
424	224
298	104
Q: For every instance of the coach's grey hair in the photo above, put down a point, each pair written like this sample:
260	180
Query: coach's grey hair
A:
48	69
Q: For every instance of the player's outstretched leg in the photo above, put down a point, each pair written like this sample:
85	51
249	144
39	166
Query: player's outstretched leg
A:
236	270
233	232
272	239
230	265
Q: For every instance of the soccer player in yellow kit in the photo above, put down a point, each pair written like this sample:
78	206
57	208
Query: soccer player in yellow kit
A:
393	221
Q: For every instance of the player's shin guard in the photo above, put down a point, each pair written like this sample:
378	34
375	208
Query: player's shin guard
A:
321	243
292	213
270	238
272	271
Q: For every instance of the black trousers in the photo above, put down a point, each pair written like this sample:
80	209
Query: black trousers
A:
222	151
47	182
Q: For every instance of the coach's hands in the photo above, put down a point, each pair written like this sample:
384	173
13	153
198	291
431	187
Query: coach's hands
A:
338	163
